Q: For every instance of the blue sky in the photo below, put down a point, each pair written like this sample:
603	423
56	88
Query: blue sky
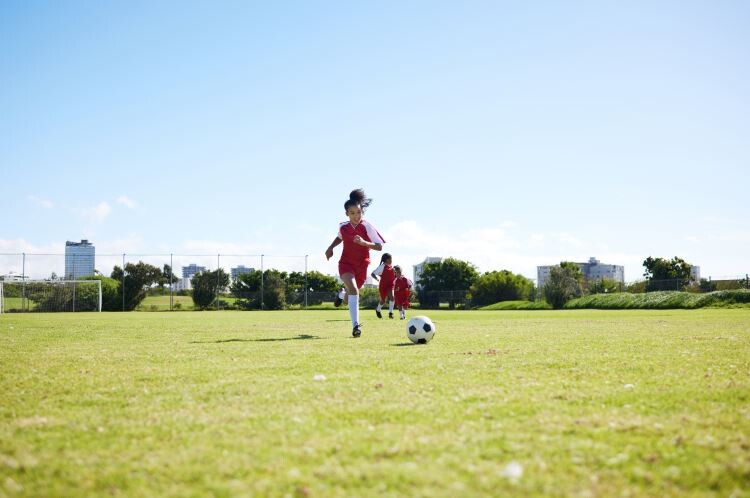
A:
508	135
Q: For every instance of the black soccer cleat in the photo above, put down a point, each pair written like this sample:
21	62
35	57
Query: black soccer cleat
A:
337	302
377	312
390	315
356	331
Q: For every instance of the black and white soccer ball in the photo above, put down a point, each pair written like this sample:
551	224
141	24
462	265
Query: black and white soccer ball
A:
420	330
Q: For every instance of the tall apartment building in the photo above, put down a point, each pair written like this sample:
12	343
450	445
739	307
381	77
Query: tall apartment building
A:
79	259
239	270
592	270
191	269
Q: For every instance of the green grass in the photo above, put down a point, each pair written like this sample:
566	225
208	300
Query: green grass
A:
663	300
518	305
16	303
589	403
161	303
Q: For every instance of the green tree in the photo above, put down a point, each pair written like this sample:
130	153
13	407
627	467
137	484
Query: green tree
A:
316	281
496	286
247	290
449	276
168	277
111	297
319	286
564	284
603	286
207	285
667	274
139	277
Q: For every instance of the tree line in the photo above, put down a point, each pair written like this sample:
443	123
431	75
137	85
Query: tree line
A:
450	280
453	280
272	291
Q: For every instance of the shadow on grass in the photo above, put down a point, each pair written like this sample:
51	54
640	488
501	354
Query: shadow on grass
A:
402	344
301	337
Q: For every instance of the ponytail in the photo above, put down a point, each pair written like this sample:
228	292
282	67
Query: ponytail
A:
357	198
384	257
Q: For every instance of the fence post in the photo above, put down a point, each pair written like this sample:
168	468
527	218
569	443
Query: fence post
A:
171	283
262	297
123	281
23	282
305	281
218	265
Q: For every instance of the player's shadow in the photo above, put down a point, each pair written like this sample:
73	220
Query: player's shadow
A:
402	344
301	337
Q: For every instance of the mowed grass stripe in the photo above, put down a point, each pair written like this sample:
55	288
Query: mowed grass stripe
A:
226	403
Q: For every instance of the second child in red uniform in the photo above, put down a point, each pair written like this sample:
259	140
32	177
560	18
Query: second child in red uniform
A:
385	287
358	236
401	291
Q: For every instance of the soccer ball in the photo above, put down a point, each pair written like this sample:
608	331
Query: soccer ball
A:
420	330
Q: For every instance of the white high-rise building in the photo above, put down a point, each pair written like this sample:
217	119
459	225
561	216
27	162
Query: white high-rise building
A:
191	269
592	270
240	270
79	259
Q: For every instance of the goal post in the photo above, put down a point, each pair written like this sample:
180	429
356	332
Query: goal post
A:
50	296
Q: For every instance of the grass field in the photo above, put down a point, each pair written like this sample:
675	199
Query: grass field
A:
501	403
161	303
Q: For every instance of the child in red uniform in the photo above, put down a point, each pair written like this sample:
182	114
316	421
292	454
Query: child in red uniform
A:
385	287
401	291
358	236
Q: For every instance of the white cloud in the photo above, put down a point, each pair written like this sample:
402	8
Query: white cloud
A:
43	203
96	214
18	256
127	202
570	240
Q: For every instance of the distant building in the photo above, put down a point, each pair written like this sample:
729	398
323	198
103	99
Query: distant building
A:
182	285
418	268
695	274
191	269
79	259
240	270
592	270
12	277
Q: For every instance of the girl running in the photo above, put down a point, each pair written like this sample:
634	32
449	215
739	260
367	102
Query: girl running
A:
401	291
358	236
387	277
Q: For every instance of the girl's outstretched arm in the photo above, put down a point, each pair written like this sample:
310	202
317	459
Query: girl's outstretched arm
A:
329	251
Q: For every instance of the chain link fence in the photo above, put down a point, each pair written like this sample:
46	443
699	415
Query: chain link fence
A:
57	267
22	267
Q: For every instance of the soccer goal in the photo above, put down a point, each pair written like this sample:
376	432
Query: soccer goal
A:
50	296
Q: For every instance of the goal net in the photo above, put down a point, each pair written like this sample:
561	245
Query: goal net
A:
50	295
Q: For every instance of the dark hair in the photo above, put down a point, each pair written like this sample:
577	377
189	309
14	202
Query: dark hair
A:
397	268
357	198
385	256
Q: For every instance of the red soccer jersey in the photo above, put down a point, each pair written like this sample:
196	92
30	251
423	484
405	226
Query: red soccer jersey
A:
355	254
387	276
402	291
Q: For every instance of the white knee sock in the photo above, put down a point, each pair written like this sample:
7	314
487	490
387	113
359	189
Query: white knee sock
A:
379	307
390	307
354	309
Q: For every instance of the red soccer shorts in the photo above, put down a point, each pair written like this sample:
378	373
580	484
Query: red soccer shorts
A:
359	272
